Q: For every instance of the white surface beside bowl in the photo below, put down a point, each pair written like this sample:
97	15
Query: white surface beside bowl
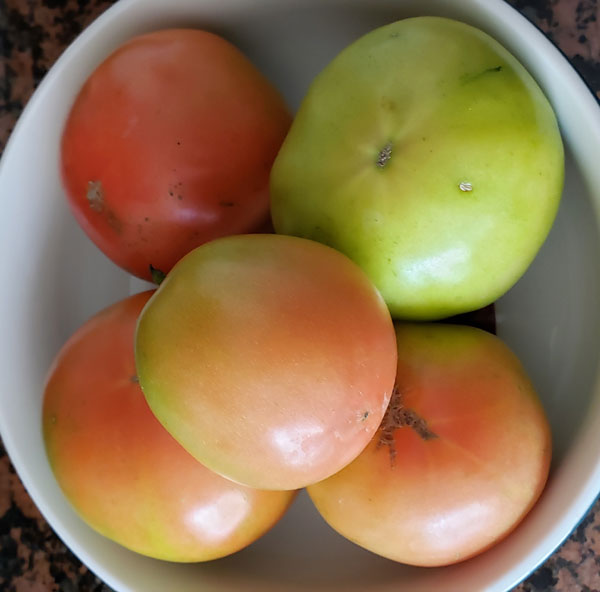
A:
55	279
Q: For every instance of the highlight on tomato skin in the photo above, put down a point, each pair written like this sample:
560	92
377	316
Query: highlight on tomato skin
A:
460	458
169	144
122	472
270	358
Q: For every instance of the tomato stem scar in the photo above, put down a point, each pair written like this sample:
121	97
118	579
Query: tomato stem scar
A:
398	416
384	155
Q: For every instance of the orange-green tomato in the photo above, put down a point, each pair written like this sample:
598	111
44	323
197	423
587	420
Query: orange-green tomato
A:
270	358
461	456
122	472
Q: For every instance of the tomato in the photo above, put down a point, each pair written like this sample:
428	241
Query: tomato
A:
461	456
270	358
122	472
444	165
169	144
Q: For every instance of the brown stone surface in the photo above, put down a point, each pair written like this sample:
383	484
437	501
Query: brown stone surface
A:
32	35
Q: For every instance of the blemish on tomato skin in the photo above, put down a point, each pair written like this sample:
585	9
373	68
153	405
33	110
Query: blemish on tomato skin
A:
97	202
176	189
95	195
114	222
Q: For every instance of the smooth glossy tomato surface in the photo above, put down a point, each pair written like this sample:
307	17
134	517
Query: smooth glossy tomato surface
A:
170	144
270	358
461	456
122	472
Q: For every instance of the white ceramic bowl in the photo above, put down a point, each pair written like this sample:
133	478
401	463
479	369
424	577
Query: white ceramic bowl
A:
54	279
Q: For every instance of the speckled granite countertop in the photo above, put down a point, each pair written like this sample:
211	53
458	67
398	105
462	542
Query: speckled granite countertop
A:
32	36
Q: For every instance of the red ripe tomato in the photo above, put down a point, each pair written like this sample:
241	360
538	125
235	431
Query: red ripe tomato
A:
270	358
461	456
169	144
122	472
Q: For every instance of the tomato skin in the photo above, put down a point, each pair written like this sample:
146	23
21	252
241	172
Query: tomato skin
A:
122	472
466	474
270	358
169	144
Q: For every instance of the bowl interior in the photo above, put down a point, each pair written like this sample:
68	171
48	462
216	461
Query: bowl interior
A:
58	279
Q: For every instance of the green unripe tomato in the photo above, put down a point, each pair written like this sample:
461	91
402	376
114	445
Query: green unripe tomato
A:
428	154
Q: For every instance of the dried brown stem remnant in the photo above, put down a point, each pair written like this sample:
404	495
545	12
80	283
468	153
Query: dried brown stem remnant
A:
398	416
384	155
